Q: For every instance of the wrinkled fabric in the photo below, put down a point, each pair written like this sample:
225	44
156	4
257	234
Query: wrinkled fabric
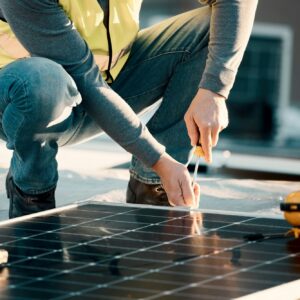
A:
54	37
230	28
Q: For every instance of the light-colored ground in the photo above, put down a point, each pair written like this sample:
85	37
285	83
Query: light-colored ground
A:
87	171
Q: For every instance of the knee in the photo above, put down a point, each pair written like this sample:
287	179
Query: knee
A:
199	24
42	85
202	18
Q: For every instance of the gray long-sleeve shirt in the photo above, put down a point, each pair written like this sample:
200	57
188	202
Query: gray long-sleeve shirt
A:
44	30
230	28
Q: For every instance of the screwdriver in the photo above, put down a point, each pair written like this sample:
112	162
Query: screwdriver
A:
199	153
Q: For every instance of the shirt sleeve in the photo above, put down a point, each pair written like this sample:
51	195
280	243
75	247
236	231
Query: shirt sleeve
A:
45	31
230	28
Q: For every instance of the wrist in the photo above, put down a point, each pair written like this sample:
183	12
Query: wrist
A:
209	93
161	166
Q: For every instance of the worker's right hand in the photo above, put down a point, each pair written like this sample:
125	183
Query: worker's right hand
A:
177	182
206	117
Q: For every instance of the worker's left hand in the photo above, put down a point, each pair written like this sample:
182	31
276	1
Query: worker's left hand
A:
177	182
206	117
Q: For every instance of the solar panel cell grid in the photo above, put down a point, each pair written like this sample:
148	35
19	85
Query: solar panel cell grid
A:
112	252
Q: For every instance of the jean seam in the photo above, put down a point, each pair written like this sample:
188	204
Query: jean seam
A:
143	179
23	83
127	69
167	91
19	79
75	132
35	192
146	92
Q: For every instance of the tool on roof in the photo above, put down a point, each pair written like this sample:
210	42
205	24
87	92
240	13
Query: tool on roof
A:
199	153
291	209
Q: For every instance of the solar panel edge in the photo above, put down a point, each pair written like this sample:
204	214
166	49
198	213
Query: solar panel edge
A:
123	211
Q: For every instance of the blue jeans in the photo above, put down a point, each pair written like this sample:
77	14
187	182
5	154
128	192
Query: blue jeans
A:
41	108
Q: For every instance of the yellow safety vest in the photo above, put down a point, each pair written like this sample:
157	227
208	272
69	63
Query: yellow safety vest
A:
88	16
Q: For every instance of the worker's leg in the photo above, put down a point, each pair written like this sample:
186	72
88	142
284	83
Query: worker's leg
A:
167	60
37	100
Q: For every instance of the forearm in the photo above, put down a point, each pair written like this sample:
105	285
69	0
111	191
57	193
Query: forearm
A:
44	30
230	28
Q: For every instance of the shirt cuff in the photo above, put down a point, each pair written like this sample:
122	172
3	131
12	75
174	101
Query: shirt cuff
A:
218	79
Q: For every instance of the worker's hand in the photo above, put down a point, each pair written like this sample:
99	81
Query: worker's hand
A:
206	117
177	182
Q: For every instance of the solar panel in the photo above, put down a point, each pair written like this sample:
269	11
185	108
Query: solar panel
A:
101	251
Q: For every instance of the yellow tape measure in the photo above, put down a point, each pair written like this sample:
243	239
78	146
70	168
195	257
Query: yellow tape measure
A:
291	208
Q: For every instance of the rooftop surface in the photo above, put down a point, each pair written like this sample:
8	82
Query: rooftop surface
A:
94	171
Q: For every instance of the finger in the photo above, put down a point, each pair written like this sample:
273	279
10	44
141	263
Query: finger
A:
215	136
177	201
206	143
171	202
193	131
175	197
188	193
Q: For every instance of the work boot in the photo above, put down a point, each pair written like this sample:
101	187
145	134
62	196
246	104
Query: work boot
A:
142	193
22	204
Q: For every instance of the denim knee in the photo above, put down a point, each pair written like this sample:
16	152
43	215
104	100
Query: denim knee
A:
39	94
199	27
43	89
40	90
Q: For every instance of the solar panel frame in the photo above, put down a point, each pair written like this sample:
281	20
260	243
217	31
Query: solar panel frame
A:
63	254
